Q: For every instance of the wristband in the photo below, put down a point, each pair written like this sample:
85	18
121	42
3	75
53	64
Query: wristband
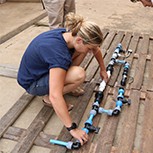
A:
72	127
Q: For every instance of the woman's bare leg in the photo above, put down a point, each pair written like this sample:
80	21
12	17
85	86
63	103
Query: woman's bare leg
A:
75	76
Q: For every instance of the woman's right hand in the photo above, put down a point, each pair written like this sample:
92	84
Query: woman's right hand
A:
80	135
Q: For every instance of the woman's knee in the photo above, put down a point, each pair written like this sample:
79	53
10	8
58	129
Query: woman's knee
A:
80	74
76	73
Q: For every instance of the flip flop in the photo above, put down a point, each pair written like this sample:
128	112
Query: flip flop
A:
70	106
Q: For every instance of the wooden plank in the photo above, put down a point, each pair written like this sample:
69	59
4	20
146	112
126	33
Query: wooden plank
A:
21	28
140	66
28	137
126	40
125	44
108	40
2	1
106	137
147	130
25	1
86	61
92	148
76	115
84	149
8	72
14	133
133	46
127	125
105	32
114	150
150	68
9	118
91	70
43	140
96	120
135	151
114	44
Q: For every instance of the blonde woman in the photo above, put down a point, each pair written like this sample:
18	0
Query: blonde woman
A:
50	65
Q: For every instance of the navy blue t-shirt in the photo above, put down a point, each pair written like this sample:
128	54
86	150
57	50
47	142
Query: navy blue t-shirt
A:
46	51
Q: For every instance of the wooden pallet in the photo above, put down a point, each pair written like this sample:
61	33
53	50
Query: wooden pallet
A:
130	132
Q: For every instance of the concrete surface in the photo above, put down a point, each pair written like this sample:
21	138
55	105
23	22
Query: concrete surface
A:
15	17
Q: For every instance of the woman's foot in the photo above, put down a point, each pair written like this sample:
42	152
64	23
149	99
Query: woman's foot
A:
77	92
69	106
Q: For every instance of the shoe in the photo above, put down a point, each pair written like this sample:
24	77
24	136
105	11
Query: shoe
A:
70	106
77	92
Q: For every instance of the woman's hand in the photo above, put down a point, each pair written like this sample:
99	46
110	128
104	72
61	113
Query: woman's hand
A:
104	75
79	135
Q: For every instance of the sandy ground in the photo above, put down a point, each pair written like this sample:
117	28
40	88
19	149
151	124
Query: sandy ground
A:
122	15
118	14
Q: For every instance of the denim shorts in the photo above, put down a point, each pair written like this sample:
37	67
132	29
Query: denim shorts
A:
40	87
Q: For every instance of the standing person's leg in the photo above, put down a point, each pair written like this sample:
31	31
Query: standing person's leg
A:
69	6
55	11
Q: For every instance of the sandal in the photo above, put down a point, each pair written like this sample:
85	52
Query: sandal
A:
70	106
77	92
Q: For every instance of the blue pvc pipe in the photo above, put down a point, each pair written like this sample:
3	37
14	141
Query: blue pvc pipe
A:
86	130
90	119
58	142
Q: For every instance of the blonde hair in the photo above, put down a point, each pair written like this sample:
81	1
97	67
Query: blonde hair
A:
89	31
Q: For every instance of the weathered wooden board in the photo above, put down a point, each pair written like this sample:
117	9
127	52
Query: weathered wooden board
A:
14	133
119	68
27	138
9	118
76	116
114	44
8	72
149	79
130	132
127	125
140	66
105	138
147	126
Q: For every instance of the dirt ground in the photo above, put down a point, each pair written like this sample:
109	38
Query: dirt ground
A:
118	14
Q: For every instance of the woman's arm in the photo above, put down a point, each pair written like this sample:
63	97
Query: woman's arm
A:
56	85
77	58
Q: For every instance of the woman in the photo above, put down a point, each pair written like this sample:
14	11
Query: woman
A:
50	65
